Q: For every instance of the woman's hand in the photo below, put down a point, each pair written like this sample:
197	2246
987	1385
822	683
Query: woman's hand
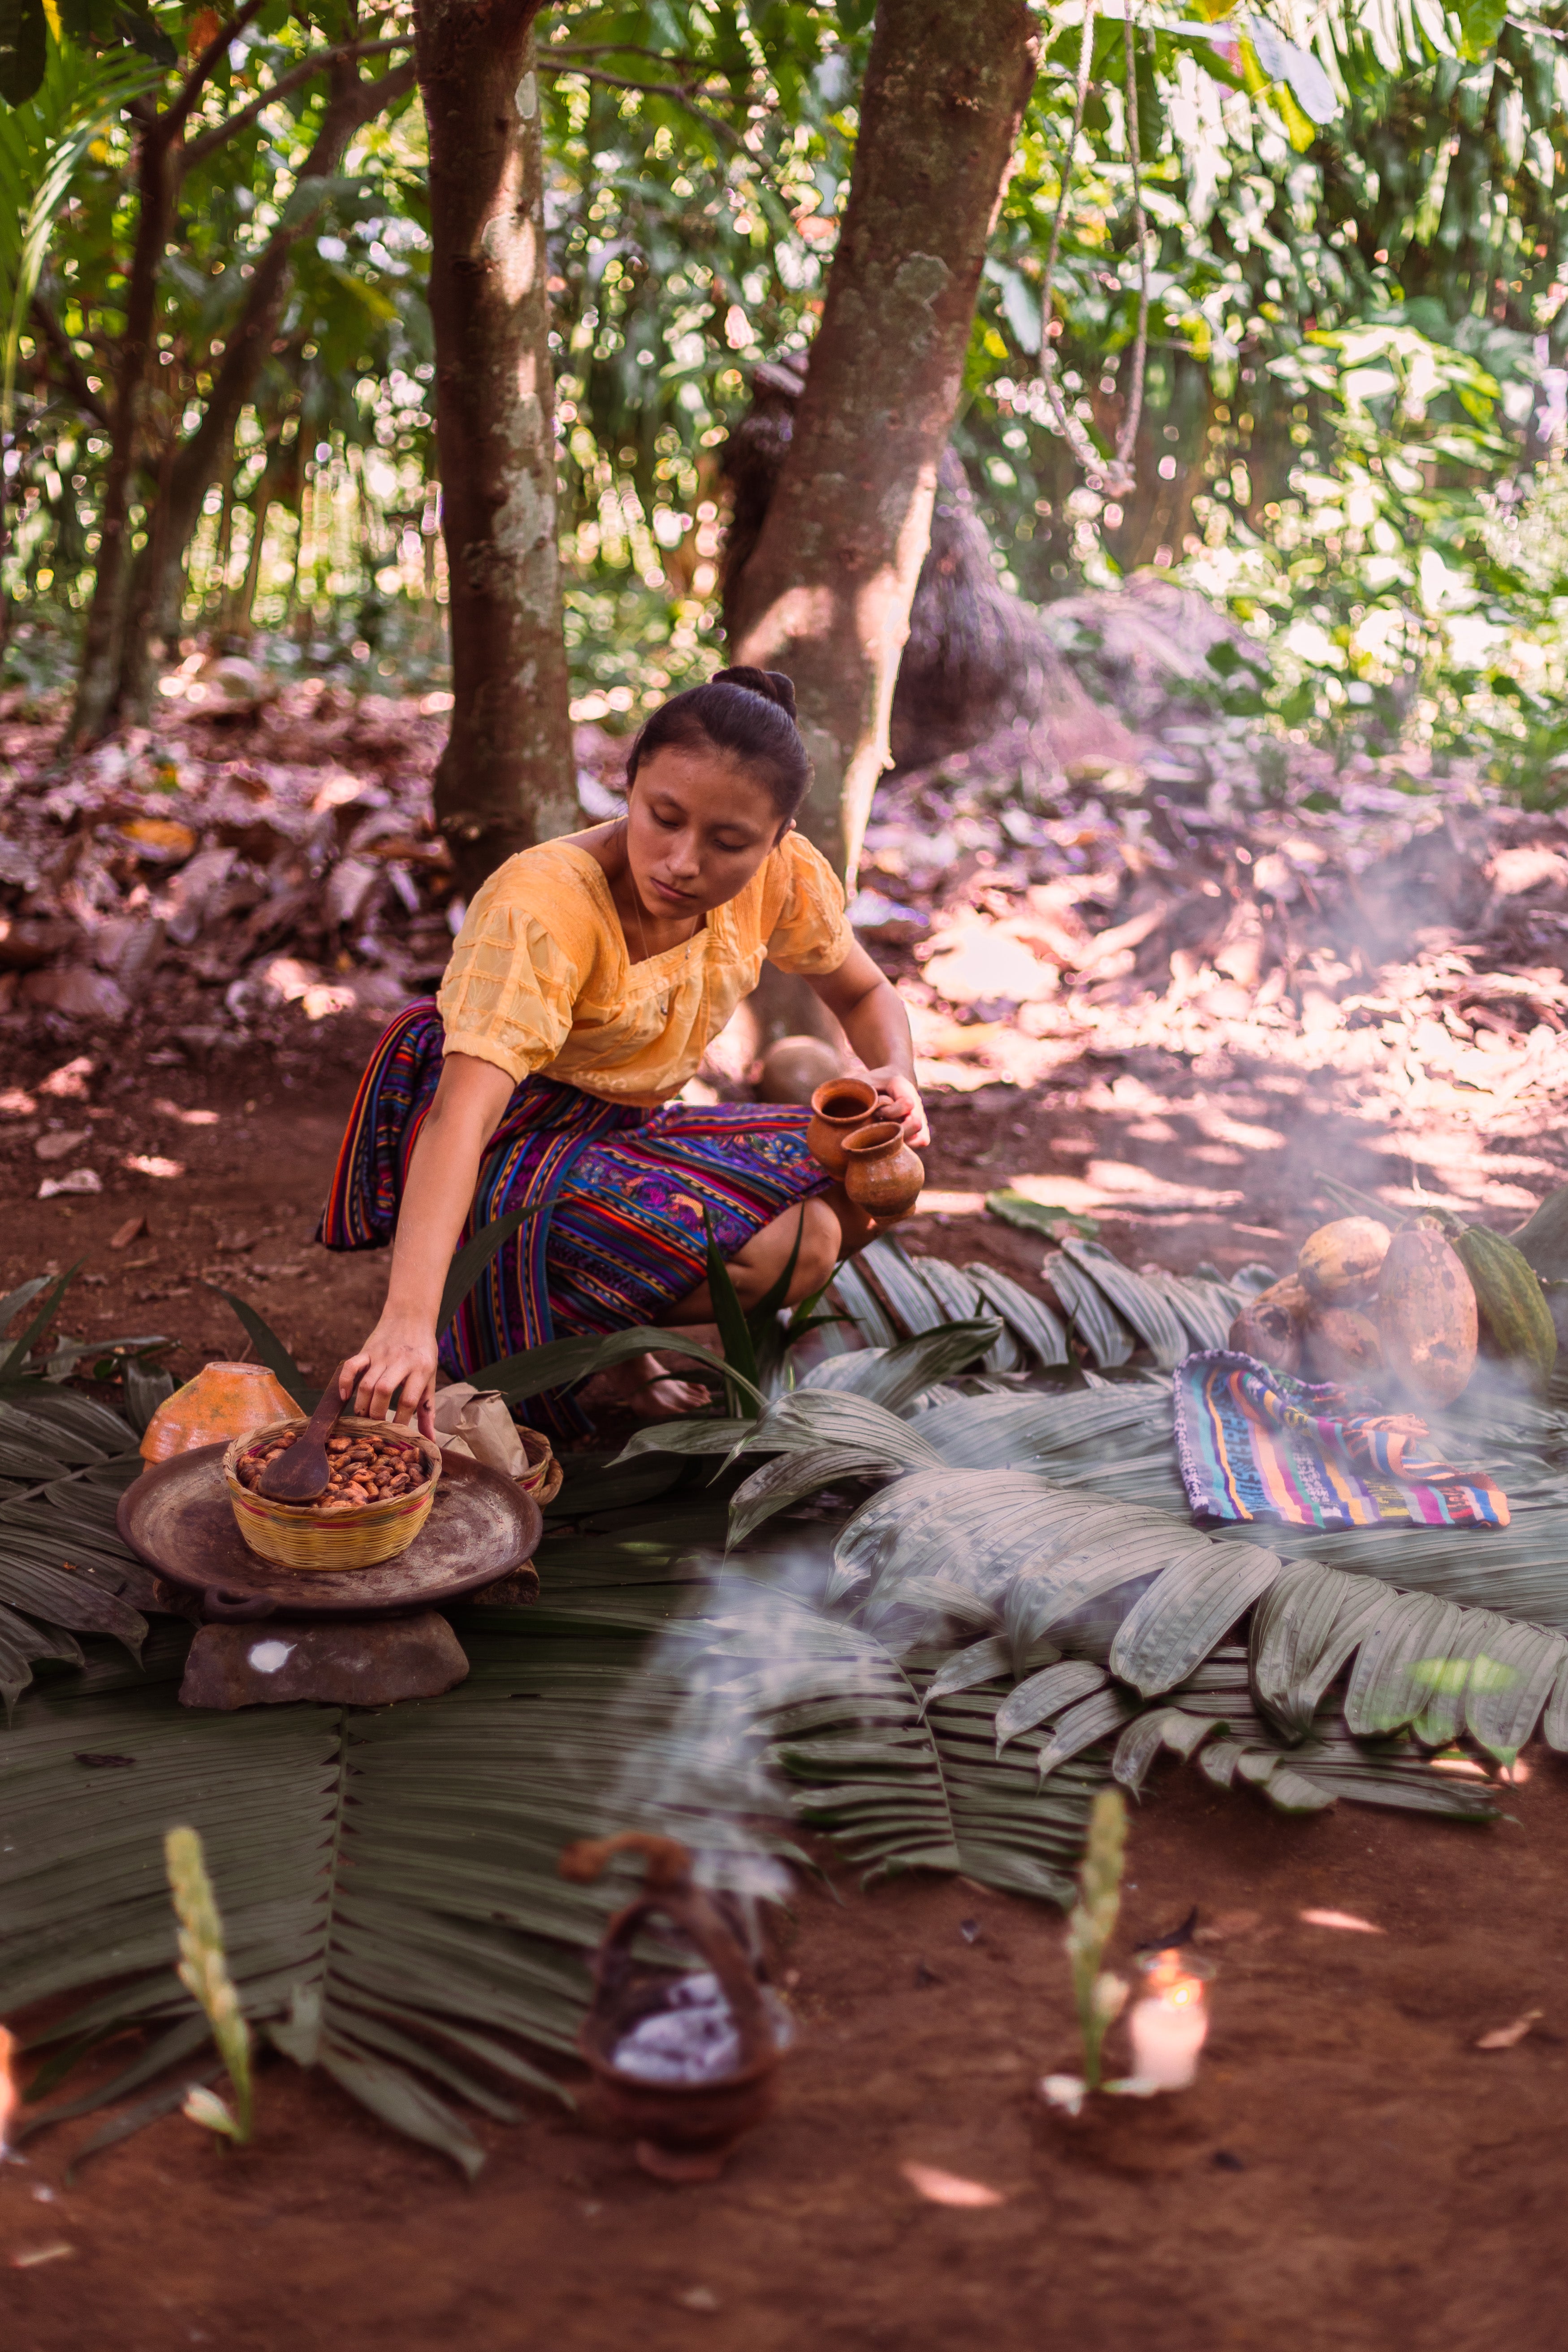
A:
873	1017
398	1356
900	1089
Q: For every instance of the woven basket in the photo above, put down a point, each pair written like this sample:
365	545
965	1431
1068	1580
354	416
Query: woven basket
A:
297	1535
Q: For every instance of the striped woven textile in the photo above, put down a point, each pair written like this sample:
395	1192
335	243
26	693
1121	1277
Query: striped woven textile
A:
1256	1445
619	1193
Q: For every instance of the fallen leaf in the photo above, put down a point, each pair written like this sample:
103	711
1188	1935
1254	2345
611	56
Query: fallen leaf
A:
161	837
939	2188
1508	2037
80	1179
69	1083
1341	1919
131	1231
185	1118
37	2254
1064	2091
61	1143
147	1164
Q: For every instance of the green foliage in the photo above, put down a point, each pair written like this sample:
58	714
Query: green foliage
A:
203	1971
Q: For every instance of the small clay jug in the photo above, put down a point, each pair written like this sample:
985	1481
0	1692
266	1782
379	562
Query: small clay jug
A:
882	1175
838	1107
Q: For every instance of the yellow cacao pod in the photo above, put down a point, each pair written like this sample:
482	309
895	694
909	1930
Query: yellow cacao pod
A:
1426	1316
1269	1326
1340	1263
1343	1345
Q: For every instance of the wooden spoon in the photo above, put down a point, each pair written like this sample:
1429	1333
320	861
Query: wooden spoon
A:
299	1476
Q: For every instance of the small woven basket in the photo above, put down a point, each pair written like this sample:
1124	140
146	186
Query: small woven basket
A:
299	1534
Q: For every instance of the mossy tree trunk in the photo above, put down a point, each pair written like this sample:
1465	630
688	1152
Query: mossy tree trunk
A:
826	594
506	778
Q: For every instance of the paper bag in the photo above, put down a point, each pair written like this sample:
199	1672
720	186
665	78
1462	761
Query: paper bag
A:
476	1423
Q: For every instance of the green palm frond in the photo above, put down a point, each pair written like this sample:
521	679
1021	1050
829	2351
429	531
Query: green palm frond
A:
388	1880
43	142
63	1464
901	1780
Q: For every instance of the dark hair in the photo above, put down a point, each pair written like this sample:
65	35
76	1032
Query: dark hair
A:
746	714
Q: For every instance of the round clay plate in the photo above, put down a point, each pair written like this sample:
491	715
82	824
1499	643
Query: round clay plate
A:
177	1517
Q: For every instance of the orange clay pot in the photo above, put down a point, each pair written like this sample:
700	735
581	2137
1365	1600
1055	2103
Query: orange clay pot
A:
224	1400
838	1107
882	1175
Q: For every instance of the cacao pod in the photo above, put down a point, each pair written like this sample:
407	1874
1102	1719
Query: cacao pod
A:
1269	1326
1340	1263
1514	1315
1427	1315
1342	1345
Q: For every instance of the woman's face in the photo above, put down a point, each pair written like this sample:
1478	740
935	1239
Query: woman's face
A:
698	827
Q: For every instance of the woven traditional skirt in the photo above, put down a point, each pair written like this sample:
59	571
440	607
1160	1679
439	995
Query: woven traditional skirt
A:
620	1194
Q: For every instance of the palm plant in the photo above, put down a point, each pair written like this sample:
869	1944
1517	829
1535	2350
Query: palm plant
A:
1005	1518
941	1678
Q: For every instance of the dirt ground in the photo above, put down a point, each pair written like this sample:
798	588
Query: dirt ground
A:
1350	2172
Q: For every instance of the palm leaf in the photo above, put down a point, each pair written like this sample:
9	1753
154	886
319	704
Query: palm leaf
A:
1029	1319
1108	1338
1149	1315
861	1304
12	1364
270	1350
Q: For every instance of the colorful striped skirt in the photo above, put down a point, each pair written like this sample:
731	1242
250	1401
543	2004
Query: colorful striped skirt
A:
620	1194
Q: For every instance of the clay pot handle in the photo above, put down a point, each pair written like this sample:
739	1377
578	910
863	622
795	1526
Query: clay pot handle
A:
700	1919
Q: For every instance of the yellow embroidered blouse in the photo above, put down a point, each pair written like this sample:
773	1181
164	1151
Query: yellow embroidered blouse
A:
540	979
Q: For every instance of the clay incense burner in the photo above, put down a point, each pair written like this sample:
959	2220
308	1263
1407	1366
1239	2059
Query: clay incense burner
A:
837	1108
882	1175
684	2131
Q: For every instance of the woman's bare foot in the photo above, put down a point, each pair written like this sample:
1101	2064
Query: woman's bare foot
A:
643	1386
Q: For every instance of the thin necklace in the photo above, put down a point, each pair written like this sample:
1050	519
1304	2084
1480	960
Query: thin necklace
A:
636	902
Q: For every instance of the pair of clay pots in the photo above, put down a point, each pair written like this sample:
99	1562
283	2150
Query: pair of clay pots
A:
856	1138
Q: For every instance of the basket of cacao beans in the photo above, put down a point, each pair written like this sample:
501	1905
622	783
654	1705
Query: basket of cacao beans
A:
381	1484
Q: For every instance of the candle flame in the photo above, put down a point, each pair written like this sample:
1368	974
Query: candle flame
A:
7	2085
1168	1981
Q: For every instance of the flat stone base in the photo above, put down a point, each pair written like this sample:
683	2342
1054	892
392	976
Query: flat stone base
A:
340	1661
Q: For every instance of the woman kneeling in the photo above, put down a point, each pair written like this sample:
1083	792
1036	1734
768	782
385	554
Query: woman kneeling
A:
585	987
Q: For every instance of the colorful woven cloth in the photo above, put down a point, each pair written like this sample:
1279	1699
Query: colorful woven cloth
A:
1256	1445
620	1191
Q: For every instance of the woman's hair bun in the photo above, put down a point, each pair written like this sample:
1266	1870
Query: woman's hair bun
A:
745	715
771	683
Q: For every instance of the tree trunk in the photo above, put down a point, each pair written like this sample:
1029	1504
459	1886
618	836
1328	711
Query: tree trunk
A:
97	679
197	461
826	594
506	778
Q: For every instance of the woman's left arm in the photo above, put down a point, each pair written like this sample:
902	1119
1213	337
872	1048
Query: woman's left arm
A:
870	1012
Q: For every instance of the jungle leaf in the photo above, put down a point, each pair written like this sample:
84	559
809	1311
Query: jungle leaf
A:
1045	1693
1151	1317
1109	1340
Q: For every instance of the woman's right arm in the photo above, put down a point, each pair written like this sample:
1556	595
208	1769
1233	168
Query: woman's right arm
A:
400	1354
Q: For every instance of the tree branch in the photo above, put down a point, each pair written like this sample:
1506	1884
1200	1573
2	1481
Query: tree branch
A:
196	151
348	108
72	373
684	94
173	121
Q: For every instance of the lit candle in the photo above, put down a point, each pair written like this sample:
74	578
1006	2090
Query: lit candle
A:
1170	2024
7	2087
